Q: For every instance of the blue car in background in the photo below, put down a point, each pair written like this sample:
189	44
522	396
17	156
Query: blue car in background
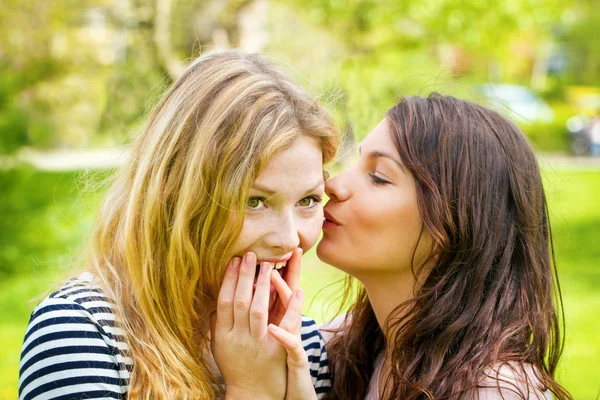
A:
517	102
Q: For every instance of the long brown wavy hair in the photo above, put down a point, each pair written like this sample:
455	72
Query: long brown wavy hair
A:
490	296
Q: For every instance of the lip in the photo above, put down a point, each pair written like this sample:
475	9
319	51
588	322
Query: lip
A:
329	220
276	260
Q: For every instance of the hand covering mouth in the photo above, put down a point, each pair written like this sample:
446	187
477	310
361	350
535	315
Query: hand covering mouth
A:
280	267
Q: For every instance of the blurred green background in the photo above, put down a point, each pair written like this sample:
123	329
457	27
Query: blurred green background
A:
77	79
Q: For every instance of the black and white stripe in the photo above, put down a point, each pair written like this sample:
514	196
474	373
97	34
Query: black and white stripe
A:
73	350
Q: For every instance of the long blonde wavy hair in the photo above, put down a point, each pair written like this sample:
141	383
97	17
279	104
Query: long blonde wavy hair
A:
168	222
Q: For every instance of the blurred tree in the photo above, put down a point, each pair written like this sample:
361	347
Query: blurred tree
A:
458	30
32	43
581	42
394	47
69	69
158	36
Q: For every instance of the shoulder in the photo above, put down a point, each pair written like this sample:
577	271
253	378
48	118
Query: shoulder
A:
512	381
75	306
71	345
335	327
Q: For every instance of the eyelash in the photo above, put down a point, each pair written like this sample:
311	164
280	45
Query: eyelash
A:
316	201
261	199
377	180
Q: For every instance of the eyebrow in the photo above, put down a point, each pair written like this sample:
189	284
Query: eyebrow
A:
272	192
380	154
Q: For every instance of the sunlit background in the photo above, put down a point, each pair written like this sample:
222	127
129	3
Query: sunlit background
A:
78	78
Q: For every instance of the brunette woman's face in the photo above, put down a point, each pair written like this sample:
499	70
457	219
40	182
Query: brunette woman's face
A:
284	209
372	220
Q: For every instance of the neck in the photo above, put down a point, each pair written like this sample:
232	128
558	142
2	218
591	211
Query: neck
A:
388	291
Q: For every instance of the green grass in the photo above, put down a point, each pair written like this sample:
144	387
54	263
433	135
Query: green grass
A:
46	216
574	200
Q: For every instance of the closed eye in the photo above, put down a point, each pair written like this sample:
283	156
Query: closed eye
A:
378	181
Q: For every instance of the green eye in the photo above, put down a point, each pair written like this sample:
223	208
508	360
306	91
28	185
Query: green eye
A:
309	202
254	203
305	202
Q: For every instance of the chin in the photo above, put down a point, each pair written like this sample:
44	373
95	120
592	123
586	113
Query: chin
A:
327	253
343	260
322	251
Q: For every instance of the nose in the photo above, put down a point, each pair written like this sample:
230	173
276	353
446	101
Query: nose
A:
285	235
337	188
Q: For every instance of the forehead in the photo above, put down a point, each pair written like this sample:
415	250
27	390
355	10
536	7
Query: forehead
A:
379	139
295	168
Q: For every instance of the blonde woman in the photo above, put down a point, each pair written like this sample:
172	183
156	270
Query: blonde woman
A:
229	166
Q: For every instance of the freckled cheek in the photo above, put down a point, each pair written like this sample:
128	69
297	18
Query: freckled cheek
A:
309	230
251	232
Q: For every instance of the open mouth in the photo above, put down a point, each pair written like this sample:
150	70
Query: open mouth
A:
280	267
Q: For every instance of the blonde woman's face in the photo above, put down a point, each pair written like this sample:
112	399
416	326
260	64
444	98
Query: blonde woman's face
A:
284	210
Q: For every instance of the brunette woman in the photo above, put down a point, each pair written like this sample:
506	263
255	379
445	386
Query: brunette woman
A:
442	226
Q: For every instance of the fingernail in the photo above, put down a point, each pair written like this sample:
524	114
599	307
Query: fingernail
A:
274	327
236	263
250	258
299	294
300	251
265	267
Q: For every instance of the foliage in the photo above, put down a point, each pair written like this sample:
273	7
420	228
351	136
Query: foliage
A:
51	62
14	115
552	137
579	39
85	73
375	83
392	48
43	217
476	26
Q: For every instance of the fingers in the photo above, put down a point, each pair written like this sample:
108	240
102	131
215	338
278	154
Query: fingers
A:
243	292
292	275
259	310
224	322
288	332
292	320
297	357
273	297
281	287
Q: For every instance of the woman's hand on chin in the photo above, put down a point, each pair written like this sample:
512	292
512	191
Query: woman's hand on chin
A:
251	362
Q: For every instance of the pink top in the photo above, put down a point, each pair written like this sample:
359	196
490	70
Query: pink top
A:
328	331
373	390
503	372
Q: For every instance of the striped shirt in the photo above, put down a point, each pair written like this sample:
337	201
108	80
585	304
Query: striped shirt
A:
73	350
